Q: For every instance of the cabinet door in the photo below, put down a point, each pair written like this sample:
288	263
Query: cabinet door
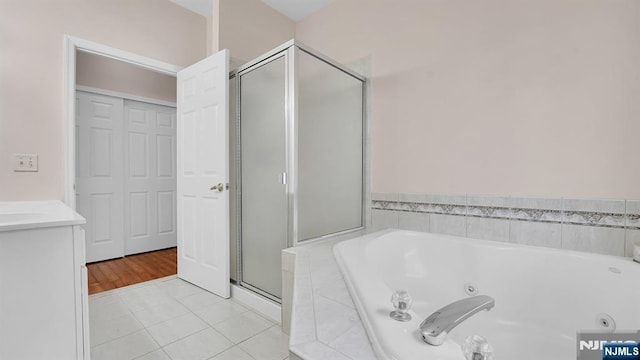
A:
38	293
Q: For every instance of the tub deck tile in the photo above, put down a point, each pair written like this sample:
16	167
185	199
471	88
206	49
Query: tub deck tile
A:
324	322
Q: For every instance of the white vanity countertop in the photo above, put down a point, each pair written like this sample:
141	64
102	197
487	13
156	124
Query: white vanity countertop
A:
324	321
20	215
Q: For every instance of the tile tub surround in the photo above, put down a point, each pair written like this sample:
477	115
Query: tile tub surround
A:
324	321
600	226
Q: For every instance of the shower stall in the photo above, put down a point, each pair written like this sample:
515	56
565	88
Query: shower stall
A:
297	135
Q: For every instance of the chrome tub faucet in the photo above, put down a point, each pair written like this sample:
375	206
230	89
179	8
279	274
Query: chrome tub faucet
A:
437	326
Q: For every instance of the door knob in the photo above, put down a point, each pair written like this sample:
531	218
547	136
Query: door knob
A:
218	187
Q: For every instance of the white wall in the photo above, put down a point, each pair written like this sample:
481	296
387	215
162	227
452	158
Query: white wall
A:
31	72
105	73
495	96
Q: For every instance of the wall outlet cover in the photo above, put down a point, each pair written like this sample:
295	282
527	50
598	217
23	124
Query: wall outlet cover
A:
25	162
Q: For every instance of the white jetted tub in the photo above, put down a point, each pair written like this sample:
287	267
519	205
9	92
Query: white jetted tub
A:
543	297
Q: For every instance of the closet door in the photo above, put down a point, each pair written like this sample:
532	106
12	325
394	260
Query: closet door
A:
99	190
149	177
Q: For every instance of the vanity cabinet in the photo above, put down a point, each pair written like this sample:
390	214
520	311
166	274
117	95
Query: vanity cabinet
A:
43	282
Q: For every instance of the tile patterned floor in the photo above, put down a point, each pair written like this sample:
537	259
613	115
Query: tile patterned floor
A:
171	319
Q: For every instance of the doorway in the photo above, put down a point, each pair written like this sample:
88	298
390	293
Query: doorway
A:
202	210
125	173
130	270
125	161
125	167
201	158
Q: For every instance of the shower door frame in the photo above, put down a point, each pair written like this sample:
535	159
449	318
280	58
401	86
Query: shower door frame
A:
288	51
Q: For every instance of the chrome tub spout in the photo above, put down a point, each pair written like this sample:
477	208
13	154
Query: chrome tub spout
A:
437	326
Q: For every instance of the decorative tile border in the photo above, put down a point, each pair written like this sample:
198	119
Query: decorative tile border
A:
594	219
536	215
574	217
489	212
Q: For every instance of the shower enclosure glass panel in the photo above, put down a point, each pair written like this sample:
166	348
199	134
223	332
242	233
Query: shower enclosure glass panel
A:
330	148
264	205
299	158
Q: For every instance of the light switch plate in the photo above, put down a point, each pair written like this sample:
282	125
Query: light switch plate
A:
25	162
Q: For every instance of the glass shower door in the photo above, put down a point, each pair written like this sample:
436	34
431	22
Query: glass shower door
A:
264	206
330	148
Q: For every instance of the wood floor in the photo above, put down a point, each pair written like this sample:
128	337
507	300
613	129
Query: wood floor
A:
133	269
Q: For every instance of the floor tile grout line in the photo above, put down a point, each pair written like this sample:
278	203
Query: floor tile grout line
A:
214	356
197	332
209	325
131	313
120	337
156	349
184	337
145	327
307	261
265	330
341	335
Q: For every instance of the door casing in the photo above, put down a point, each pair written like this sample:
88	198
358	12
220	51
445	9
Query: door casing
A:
71	45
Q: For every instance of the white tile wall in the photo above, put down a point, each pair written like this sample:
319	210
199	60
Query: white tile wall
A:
535	203
448	224
601	240
487	200
606	206
413	221
632	237
535	233
633	214
384	219
488	229
448	199
600	226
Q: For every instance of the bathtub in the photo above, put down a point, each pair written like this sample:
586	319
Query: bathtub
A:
543	297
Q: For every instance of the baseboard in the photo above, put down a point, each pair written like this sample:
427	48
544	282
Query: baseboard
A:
258	303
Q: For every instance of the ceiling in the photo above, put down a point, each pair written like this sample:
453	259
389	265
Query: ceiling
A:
296	10
202	7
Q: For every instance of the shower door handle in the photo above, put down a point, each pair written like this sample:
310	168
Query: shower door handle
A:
284	178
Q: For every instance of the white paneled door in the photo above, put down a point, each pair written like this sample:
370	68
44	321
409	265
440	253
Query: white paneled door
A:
99	191
149	177
203	199
125	175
